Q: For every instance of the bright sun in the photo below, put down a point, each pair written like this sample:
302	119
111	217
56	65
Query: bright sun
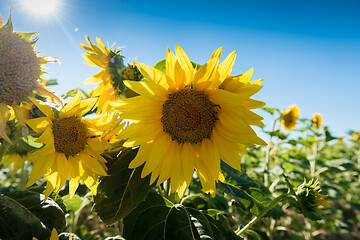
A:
41	6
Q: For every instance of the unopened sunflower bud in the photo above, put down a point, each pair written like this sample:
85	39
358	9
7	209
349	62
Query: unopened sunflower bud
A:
132	73
310	198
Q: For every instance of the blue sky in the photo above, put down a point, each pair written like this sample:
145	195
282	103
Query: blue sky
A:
307	52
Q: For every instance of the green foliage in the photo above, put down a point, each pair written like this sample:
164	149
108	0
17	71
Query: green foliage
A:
157	218
24	214
123	190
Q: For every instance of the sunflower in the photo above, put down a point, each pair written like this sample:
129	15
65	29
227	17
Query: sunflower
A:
316	120
111	86
71	147
310	198
356	136
188	118
20	73
289	117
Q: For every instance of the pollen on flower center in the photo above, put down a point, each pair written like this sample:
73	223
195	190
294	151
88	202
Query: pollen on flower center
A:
69	135
19	67
188	116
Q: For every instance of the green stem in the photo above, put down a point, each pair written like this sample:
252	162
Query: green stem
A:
261	214
267	158
313	161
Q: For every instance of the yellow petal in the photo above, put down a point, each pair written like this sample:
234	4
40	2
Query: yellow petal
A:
43	107
185	63
226	66
203	77
71	107
92	164
3	110
170	65
153	75
39	124
39	169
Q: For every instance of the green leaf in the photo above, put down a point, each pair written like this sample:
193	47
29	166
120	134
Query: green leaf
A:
157	218
199	202
271	110
220	225
70	93
151	200
25	214
119	193
72	204
161	66
51	82
278	133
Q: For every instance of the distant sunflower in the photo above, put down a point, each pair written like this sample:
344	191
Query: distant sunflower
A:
20	72
316	120
310	198
188	119
356	136
111	86
71	147
289	117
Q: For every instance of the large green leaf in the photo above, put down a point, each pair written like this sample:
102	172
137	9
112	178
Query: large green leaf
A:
123	190
157	218
25	214
220	225
248	193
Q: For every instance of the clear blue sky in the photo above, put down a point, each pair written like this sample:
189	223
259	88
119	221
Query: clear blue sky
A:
308	52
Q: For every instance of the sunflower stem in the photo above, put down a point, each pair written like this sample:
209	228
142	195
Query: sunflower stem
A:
261	214
23	176
268	157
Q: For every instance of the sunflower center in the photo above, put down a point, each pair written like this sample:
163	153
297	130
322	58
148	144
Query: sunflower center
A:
69	135
188	116
19	67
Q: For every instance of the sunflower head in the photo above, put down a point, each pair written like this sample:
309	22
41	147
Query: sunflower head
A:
71	147
289	117
189	117
356	136
20	68
111	85
316	120
310	198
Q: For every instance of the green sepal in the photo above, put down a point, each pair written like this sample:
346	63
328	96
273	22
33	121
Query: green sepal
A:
27	37
8	25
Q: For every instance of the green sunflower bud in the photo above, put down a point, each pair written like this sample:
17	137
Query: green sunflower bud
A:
309	197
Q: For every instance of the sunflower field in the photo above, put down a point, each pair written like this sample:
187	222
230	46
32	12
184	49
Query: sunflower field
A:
177	150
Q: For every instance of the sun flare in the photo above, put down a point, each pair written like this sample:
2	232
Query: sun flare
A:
42	7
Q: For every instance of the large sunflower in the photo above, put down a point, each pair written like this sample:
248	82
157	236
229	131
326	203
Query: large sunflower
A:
189	119
71	147
289	117
20	73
